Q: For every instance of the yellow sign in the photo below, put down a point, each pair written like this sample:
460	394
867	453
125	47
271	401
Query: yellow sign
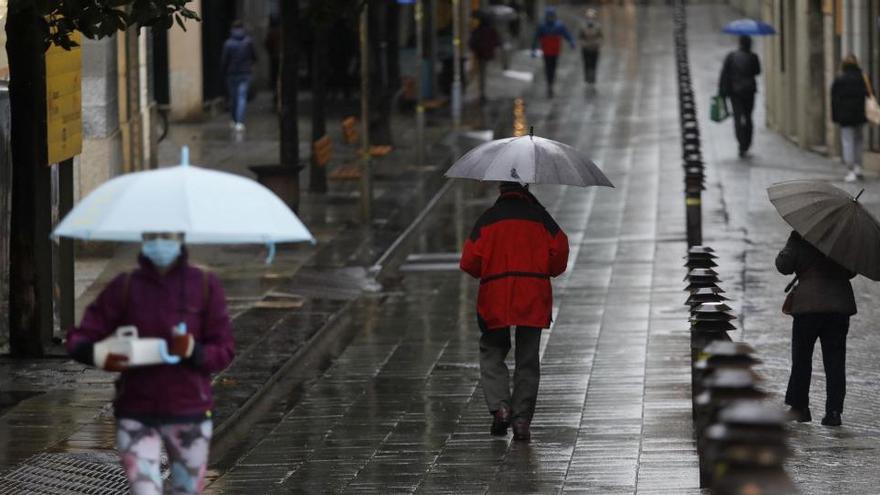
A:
64	101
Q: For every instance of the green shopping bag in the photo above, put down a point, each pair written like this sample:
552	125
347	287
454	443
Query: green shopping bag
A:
718	110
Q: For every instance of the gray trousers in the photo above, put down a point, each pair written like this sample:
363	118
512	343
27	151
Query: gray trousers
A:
851	139
495	377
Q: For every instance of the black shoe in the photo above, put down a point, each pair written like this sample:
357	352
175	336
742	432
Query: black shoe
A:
832	418
500	422
521	431
800	415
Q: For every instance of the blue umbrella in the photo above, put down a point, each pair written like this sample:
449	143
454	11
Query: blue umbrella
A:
749	27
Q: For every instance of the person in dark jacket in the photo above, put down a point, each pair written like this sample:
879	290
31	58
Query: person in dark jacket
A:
550	34
166	403
514	249
237	63
483	42
822	303
848	93
737	83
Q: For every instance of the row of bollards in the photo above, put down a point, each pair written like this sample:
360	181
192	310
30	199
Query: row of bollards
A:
691	155
741	439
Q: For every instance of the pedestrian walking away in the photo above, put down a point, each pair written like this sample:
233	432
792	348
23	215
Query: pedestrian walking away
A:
821	304
237	61
737	83
484	40
514	249
184	307
848	93
549	35
590	36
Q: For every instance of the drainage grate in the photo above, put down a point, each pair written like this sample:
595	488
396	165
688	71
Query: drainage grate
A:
67	474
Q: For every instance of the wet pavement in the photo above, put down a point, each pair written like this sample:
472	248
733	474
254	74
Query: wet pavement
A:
741	223
401	410
279	310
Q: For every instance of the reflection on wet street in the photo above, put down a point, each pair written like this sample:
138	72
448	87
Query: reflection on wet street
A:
401	410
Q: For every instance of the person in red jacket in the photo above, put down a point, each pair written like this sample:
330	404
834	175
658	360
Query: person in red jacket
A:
514	249
549	35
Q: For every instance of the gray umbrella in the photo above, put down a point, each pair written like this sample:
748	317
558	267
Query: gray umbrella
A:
833	221
528	160
498	12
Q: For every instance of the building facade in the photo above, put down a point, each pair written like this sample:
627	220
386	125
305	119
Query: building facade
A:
802	60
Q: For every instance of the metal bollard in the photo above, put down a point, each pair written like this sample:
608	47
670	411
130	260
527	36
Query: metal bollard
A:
747	449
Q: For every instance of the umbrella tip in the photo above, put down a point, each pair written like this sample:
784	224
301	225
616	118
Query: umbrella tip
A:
858	195
184	155
531	131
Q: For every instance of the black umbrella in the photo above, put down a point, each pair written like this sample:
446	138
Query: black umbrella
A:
833	221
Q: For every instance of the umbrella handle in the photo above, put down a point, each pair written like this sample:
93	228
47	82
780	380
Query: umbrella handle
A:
271	256
858	195
791	284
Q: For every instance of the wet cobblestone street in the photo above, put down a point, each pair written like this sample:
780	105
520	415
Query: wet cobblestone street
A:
401	410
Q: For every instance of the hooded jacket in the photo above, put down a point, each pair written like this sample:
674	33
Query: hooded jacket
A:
550	34
514	249
154	303
238	54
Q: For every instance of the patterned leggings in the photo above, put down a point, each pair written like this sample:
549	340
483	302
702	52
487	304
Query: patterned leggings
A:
187	445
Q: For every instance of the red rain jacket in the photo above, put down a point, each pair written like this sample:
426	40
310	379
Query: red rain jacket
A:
514	249
154	303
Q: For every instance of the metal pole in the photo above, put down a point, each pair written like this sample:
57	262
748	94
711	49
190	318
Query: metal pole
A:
366	172
67	296
456	64
420	66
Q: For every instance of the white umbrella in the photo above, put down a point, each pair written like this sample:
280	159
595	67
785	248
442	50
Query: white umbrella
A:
207	206
529	160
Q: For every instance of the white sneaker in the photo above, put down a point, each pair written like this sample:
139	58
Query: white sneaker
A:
239	127
858	172
850	177
232	124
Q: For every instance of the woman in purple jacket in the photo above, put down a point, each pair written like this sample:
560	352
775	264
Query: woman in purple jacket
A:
162	404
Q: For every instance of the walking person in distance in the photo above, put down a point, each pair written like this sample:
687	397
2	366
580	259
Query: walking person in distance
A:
549	35
237	62
737	83
848	93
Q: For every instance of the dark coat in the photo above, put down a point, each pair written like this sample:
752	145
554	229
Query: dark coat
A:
738	74
848	93
823	285
154	303
514	249
238	54
484	40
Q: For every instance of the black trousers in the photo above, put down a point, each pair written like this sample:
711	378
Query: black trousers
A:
743	104
831	330
591	59
550	70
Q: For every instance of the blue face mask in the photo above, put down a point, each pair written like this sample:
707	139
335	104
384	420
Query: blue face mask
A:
162	252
